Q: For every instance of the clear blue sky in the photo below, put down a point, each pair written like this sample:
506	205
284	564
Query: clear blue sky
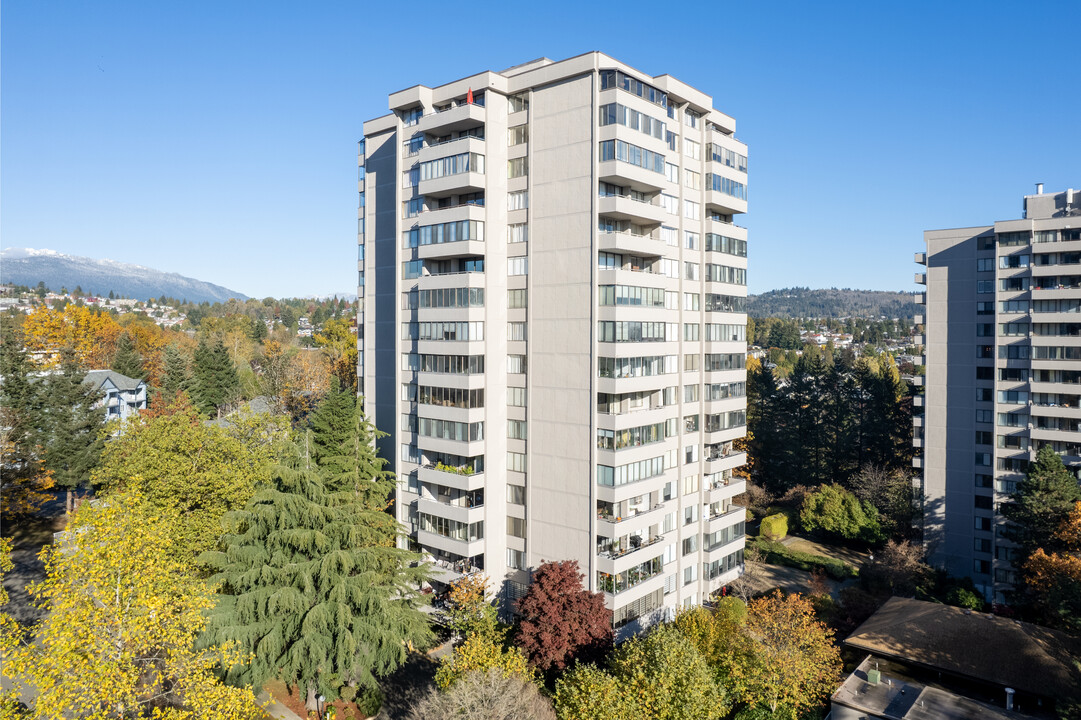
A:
217	140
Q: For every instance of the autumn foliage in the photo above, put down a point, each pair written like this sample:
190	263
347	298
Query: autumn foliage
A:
562	621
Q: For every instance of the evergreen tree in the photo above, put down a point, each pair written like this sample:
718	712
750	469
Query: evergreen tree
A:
71	425
174	376
306	592
127	360
215	382
1042	503
23	481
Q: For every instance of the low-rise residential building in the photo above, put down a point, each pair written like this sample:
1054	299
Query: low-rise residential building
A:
123	396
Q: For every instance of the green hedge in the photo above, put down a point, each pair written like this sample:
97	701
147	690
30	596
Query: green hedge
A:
777	554
774	527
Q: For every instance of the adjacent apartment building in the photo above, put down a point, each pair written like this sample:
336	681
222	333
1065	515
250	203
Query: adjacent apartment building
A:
1003	344
552	327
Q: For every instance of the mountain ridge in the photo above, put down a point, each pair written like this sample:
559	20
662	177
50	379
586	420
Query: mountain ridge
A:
29	266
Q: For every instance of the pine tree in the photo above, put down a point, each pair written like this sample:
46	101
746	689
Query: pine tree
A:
127	360
304	590
1042	503
24	482
215	382
71	425
174	376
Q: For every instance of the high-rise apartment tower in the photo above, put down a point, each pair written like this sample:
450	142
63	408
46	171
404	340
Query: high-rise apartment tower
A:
1003	344
552	327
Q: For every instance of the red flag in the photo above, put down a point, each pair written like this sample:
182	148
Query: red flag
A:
469	96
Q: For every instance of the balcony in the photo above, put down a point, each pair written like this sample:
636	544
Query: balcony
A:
609	523
459	248
918	401
454	146
727	204
452	120
457	184
919	298
632	243
920	258
627	207
727	518
625	174
918	380
917	462
920	278
460	513
463	548
917	319
458	478
918	340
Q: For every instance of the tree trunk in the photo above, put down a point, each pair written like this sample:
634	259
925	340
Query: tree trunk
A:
311	704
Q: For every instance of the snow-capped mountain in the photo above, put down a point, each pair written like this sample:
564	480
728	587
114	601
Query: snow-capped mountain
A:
28	266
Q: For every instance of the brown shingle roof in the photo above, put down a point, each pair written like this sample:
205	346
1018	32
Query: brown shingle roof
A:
1027	657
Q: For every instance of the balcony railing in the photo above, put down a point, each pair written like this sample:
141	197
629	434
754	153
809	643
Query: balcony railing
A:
613	518
613	553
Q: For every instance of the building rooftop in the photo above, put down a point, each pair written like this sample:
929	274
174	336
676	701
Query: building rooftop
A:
979	646
899	697
97	378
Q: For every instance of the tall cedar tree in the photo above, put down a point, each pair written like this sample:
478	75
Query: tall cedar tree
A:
24	482
215	382
1041	505
174	377
127	360
71	426
562	622
312	584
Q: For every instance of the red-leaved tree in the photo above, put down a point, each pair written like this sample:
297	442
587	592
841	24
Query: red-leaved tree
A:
561	620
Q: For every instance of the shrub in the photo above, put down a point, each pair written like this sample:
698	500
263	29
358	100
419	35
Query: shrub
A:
836	511
774	527
962	597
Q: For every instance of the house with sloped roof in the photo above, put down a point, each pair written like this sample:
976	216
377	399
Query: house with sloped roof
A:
123	396
926	660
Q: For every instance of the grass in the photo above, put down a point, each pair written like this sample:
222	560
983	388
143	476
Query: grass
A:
777	554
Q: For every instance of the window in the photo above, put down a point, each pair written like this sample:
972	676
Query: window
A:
443	233
985	373
731	246
690	210
518	232
517	103
690	393
690	271
517	299
412	208
518	135
625	152
985	264
516	527
985	286
516	331
516	430
721	184
516	494
518	167
983	523
692	179
984	395
619	79
985	329
412	116
614	113
412	269
983	481
450	430
517	266
692	149
982	502
983	437
516	397
515	559
609	261
518	200
671	205
690	240
1010	262
983	416
516	364
452	165
981	567
516	462
690	362
690	332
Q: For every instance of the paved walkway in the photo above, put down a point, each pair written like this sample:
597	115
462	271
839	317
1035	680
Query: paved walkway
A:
275	709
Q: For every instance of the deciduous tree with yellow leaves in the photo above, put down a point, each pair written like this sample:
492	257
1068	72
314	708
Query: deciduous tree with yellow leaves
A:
123	617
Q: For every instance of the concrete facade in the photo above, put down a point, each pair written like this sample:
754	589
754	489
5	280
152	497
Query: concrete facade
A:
552	327
1003	375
